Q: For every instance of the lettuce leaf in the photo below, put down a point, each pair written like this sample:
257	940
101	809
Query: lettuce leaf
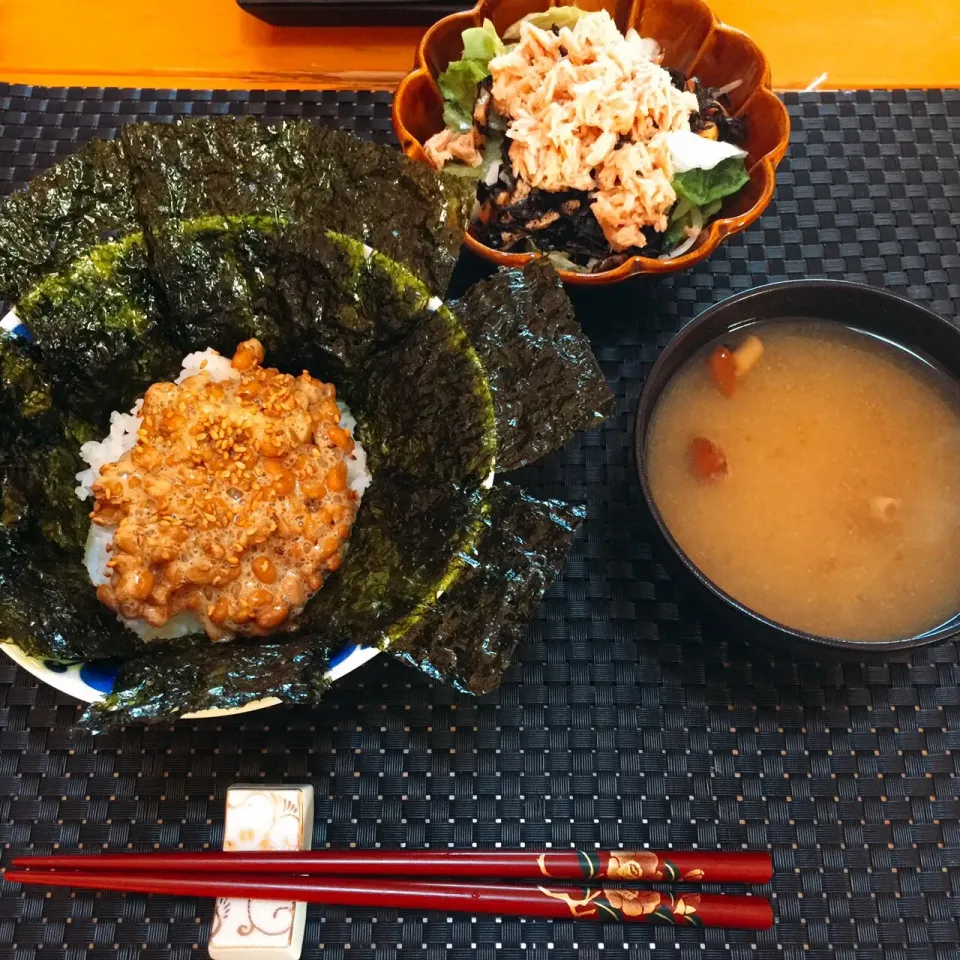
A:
682	217
458	83
701	187
546	20
481	43
457	118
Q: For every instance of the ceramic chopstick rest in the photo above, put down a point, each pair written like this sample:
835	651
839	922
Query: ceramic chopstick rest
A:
263	818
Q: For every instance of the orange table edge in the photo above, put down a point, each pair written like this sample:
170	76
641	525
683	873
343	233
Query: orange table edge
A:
214	44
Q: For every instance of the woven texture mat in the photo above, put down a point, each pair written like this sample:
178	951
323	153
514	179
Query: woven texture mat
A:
625	719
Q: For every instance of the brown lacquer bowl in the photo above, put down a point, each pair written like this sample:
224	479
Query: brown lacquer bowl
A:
693	40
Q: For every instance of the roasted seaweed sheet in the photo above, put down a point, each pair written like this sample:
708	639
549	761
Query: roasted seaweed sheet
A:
101	331
467	638
39	452
404	549
38	483
26	398
218	281
197	675
205	233
49	609
304	177
81	202
545	380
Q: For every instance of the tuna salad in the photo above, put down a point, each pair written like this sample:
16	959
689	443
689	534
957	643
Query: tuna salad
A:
585	146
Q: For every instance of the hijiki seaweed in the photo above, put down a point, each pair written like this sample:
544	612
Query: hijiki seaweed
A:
713	112
561	222
333	253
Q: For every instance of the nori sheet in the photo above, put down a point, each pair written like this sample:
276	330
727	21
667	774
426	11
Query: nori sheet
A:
218	280
316	283
49	609
468	636
226	279
26	397
81	202
196	674
38	484
305	177
250	230
100	328
546	382
427	405
399	207
222	166
426	422
347	301
39	452
402	551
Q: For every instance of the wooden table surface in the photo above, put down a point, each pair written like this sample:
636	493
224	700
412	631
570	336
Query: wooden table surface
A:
212	43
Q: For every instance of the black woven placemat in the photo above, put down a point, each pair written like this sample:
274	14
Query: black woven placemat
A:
626	719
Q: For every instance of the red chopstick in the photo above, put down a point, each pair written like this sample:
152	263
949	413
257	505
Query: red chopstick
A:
582	903
665	867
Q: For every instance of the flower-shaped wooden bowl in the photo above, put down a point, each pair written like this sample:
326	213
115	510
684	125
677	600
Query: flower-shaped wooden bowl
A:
693	40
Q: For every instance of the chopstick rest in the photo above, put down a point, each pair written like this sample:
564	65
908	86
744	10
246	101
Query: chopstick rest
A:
261	818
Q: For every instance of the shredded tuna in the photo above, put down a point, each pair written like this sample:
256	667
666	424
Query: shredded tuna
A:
634	192
585	107
449	145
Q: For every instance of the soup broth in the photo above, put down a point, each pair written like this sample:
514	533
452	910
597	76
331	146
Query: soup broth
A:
821	486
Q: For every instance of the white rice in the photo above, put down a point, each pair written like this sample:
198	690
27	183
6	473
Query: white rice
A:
124	426
217	366
98	453
358	476
123	437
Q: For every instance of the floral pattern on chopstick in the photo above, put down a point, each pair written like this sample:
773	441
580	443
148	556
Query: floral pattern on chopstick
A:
639	906
625	865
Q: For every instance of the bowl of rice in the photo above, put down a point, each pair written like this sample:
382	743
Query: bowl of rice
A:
614	138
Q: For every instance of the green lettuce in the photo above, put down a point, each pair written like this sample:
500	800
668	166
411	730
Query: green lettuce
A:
702	187
682	217
481	43
458	83
546	19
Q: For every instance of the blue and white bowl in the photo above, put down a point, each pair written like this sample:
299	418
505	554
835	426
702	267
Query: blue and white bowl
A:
92	681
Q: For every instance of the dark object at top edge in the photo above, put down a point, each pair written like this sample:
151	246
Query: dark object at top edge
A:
857	305
389	13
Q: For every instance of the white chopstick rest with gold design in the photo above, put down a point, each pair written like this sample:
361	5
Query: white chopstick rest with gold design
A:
263	818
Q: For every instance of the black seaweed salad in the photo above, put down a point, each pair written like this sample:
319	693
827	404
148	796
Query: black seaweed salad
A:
561	224
332	252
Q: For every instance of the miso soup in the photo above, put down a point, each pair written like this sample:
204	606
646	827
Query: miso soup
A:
812	472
